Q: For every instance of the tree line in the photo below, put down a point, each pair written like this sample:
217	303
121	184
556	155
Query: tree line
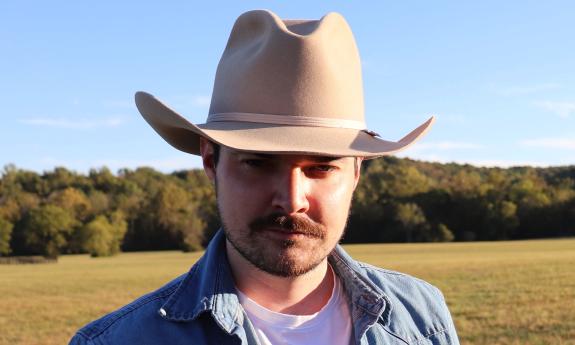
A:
397	200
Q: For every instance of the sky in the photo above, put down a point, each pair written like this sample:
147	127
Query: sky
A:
498	75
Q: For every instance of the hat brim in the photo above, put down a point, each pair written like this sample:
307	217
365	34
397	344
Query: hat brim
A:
269	138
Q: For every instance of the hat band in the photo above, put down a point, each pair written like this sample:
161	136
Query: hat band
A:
287	120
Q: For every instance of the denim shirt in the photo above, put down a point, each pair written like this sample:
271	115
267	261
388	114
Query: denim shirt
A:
202	307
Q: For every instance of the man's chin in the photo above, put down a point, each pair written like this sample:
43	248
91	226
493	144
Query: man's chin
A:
280	255
288	261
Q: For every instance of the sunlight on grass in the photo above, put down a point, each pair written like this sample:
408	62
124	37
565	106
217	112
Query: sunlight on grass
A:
519	292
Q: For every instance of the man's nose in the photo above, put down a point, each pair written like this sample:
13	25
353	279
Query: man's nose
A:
291	190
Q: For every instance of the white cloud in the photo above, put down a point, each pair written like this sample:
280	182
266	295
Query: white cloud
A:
563	109
550	143
73	123
527	89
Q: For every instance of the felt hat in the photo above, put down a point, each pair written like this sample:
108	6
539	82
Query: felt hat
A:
283	87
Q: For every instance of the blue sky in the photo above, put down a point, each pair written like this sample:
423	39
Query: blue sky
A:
499	76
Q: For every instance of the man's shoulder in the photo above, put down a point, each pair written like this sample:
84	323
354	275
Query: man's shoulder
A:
415	303
394	282
132	317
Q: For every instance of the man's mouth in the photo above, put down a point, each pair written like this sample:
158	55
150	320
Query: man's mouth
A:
288	226
285	231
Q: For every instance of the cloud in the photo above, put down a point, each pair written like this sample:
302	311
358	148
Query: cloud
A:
527	89
563	109
550	143
73	124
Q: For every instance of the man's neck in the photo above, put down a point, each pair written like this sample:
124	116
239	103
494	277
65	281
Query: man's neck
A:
302	295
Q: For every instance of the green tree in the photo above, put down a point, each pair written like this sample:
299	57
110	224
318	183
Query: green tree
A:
103	179
73	200
60	178
178	214
443	234
504	220
47	229
5	236
412	219
103	236
99	202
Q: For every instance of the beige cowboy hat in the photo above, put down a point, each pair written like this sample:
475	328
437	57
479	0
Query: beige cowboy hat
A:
283	86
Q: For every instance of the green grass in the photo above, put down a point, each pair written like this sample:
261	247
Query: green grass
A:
499	292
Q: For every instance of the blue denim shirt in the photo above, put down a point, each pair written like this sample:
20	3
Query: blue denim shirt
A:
202	307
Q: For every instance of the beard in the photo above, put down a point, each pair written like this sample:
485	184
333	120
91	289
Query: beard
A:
281	256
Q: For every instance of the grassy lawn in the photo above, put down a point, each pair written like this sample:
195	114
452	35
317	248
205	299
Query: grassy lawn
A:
499	292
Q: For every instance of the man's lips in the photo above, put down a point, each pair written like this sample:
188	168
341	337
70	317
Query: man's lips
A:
286	232
288	226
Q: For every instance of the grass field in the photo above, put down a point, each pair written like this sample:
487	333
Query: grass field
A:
499	292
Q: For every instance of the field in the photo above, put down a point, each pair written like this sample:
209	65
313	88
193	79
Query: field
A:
519	292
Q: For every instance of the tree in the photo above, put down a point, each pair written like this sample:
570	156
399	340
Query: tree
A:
502	221
60	178
103	179
99	202
178	214
443	234
412	219
5	236
47	229
73	200
103	236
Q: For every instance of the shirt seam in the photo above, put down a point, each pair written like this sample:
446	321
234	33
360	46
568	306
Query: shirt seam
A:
431	335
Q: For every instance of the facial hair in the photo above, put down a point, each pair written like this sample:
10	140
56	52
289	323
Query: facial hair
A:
282	261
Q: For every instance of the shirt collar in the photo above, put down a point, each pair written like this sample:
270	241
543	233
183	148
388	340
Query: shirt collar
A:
209	287
368	302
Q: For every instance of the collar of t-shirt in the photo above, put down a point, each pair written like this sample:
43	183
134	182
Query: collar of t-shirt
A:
263	316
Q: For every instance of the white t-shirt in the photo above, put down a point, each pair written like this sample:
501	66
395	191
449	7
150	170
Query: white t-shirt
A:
331	325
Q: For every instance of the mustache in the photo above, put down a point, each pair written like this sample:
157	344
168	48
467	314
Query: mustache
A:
299	224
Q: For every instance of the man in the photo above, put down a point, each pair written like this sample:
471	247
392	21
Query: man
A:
283	144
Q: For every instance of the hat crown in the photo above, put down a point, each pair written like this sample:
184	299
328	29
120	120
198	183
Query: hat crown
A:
308	68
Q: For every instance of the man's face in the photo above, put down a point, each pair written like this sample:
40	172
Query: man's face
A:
282	213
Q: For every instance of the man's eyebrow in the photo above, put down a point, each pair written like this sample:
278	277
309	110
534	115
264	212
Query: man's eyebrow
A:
324	159
254	154
318	159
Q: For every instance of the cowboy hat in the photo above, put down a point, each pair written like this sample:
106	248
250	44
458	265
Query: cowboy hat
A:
283	87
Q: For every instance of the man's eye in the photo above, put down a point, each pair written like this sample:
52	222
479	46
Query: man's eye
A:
255	163
322	168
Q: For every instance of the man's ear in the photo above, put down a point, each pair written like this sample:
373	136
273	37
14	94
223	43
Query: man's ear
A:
357	170
207	153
